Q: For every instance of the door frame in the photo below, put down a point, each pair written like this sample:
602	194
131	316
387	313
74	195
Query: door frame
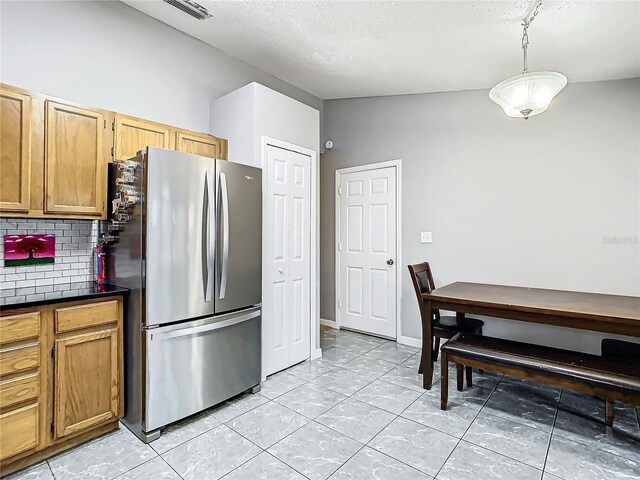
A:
314	284
363	168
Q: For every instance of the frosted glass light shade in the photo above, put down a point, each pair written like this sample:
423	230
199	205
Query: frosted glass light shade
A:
527	94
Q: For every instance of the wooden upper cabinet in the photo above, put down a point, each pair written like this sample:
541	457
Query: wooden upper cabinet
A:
87	381
199	144
15	154
75	160
133	134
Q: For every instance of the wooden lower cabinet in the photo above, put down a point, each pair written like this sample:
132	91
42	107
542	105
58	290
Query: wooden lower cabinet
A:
19	430
59	387
87	381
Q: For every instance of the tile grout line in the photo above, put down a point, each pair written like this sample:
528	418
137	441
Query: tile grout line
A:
170	466
506	419
248	440
50	469
349	396
553	427
585	444
467	429
263	451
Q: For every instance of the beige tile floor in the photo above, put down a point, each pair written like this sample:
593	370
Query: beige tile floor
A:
360	413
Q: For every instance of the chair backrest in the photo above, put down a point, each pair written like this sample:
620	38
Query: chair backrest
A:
422	279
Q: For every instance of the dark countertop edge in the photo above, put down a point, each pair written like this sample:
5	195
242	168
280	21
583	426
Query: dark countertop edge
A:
110	291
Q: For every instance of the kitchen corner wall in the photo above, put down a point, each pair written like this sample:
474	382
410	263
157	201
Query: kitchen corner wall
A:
74	255
551	202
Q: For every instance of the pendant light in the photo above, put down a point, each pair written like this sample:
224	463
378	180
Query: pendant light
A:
529	93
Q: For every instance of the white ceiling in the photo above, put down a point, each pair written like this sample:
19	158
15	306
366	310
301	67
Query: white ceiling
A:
339	49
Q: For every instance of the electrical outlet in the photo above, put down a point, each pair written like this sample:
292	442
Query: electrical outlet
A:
425	237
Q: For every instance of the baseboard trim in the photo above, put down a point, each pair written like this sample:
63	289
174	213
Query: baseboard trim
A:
317	353
328	323
410	341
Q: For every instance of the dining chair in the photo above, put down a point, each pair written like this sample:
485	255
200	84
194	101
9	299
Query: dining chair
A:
443	326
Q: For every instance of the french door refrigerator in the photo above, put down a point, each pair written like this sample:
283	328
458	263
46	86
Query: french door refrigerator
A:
191	255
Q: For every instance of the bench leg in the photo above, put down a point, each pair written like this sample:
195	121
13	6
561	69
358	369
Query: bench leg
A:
420	366
469	370
608	416
444	381
459	375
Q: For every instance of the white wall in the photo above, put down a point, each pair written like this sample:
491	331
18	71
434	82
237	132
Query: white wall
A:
245	115
550	202
109	55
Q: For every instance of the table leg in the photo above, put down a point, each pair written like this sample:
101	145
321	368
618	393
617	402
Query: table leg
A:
444	381
427	348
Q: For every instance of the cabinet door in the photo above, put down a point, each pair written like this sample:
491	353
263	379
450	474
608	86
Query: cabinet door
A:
205	145
19	430
75	160
132	135
87	381
15	154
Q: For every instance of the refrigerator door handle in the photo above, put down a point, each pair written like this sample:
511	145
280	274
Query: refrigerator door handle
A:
207	253
189	331
225	235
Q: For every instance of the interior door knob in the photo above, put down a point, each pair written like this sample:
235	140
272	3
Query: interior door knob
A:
390	262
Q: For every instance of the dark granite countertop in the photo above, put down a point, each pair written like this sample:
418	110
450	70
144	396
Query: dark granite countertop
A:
67	292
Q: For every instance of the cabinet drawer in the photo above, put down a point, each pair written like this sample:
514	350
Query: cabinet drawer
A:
19	327
19	389
17	359
82	316
19	430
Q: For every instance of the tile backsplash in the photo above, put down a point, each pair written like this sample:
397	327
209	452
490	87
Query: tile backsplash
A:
75	240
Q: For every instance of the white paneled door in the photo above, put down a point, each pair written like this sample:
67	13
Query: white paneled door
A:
367	251
287	267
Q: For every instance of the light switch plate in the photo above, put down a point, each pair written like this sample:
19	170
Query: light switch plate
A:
425	237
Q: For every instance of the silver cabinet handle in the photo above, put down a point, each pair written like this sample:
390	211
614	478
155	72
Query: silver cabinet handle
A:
183	332
225	234
210	243
204	238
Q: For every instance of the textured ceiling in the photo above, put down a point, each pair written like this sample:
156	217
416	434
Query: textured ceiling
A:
338	49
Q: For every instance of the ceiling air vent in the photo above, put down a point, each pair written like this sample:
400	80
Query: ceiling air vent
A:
192	8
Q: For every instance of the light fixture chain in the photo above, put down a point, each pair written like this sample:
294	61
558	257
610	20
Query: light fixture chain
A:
526	22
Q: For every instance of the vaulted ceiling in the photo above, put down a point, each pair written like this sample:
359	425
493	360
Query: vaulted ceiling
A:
338	49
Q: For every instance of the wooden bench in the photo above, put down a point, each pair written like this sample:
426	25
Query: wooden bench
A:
591	374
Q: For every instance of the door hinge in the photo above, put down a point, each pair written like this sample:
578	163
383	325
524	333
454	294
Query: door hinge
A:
339	303
111	151
53	352
339	190
339	247
105	124
113	125
52	428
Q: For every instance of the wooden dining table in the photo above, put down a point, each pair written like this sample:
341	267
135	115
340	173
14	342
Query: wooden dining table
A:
616	314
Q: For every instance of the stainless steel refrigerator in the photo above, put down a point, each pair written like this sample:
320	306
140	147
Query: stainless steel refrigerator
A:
191	253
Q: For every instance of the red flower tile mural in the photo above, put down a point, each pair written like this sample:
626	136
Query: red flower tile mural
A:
29	249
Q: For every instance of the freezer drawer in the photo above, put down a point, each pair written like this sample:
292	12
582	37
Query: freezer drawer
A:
194	365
